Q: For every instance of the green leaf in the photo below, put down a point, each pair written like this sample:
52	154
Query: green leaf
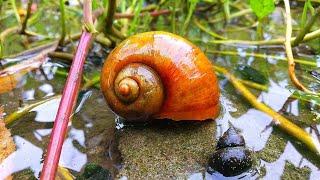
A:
262	8
248	73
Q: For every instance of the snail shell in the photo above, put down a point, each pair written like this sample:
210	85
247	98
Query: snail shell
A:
231	138
160	75
231	157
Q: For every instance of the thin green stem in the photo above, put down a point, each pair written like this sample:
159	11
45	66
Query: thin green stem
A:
173	16
234	15
41	47
211	33
110	14
191	9
91	82
254	85
226	10
63	22
263	56
287	43
5	33
260	30
16	13
307	28
309	36
1	1
25	22
62	55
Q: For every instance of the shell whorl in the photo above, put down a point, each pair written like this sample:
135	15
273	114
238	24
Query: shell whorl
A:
140	90
190	88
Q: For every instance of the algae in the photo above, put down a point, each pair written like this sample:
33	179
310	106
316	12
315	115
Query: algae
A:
26	174
292	172
273	149
166	149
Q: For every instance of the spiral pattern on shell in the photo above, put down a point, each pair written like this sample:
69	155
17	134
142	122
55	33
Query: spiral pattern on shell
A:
160	75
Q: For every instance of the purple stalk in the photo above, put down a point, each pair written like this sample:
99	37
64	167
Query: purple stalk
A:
67	103
69	97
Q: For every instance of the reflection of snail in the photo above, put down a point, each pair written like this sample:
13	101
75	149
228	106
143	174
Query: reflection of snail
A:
231	157
160	75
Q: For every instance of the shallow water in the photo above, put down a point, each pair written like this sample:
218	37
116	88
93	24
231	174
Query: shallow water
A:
96	135
91	136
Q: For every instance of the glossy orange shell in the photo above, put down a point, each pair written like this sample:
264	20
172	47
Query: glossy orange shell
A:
190	84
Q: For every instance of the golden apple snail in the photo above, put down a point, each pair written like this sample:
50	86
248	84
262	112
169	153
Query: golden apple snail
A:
160	75
231	157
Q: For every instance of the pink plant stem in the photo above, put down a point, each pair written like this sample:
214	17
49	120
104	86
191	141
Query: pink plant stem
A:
67	103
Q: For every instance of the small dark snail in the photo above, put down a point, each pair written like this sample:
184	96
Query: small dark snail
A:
231	157
162	76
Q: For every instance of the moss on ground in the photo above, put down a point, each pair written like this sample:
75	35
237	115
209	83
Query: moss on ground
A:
274	147
292	172
166	150
26	174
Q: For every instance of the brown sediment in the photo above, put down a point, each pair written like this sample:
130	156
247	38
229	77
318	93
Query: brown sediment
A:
7	145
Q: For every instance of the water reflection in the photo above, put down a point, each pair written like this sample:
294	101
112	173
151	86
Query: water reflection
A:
256	129
28	94
46	112
47	89
274	170
26	156
29	155
71	157
40	133
253	123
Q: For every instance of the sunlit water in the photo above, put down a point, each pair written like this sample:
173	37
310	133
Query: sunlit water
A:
91	134
254	125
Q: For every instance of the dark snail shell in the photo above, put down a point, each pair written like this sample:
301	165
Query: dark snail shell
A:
230	138
160	75
231	157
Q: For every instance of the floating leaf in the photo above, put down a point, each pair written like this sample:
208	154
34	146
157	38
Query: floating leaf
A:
262	8
249	73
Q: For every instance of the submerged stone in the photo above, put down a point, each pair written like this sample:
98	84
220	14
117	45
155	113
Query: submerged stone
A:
166	149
